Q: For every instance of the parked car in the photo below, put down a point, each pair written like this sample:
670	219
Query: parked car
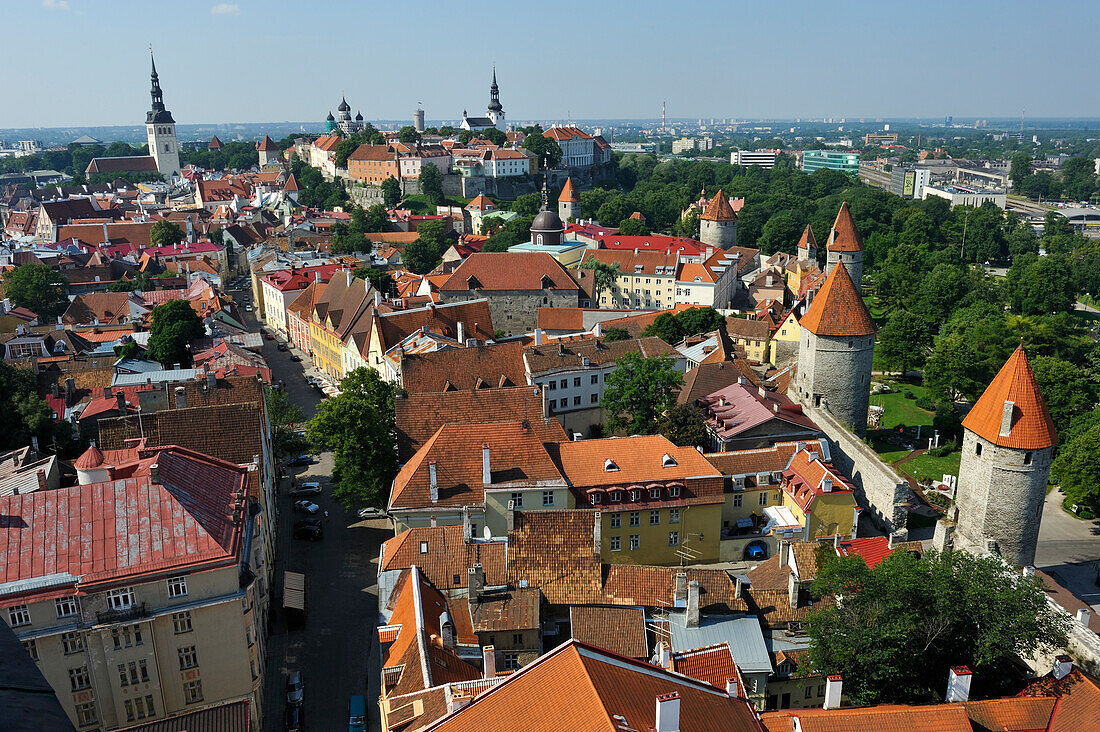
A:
357	714
311	530
295	358
370	512
282	346
300	460
305	489
307	507
294	688
292	718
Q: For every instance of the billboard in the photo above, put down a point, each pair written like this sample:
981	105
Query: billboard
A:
909	184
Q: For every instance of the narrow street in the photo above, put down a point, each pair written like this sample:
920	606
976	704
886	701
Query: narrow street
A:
337	646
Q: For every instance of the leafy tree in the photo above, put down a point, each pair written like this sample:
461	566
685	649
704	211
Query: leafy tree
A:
391	192
217	235
422	255
903	342
603	276
1020	168
431	184
1077	471
380	279
683	425
284	416
358	426
633	227
141	281
175	325
638	392
1066	388
546	148
1041	285
947	422
465	136
375	218
527	204
903	624
494	136
666	327
614	210
781	233
408	135
1078	178
673	328
38	288
344	149
616	334
165	233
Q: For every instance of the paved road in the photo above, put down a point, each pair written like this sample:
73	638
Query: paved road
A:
336	650
1070	549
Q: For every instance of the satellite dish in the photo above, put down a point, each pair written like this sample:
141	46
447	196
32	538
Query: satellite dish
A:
487	534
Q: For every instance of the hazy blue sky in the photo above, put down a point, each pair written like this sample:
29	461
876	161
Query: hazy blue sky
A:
85	62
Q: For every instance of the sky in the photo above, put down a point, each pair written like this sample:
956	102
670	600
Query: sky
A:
86	62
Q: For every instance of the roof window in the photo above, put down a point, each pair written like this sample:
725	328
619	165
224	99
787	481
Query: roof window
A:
609	465
668	461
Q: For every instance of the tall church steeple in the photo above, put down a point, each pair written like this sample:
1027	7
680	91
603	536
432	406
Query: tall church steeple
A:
160	128
496	110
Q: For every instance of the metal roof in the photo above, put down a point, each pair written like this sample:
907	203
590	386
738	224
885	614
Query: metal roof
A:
742	632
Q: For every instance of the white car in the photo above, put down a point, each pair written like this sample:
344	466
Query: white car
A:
371	513
307	507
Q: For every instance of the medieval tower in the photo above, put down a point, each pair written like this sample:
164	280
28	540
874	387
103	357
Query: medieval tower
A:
495	110
835	353
268	151
1008	439
718	223
569	203
807	245
160	129
845	246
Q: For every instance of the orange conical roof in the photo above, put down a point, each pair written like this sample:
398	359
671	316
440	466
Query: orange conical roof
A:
838	310
1031	427
215	143
267	145
481	203
568	193
91	459
844	237
719	209
808	238
291	184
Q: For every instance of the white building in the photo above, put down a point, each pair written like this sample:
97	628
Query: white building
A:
966	195
160	129
494	115
578	148
760	158
503	163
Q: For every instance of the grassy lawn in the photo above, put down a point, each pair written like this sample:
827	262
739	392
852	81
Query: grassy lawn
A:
933	468
885	448
877	310
900	410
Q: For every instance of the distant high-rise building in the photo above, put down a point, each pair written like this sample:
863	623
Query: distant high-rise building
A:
845	162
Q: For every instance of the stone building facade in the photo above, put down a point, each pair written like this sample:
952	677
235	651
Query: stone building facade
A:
718	223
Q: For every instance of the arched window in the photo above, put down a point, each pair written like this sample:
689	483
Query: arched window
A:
977	448
538	239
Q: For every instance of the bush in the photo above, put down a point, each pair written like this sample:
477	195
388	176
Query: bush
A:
926	404
909	395
943	450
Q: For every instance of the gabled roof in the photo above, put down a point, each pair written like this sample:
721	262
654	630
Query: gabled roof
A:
1031	427
568	193
621	630
515	271
442	319
844	236
760	460
291	185
1078	696
492	366
713	664
267	145
636	459
838	310
719	209
448	555
885	718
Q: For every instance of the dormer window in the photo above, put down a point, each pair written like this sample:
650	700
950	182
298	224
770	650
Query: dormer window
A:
546	283
615	496
635	494
423	547
654	492
595	498
674	491
609	465
668	461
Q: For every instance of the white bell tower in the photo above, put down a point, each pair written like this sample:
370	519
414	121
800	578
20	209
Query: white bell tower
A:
160	129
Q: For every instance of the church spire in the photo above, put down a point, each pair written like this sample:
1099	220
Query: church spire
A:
157	112
494	94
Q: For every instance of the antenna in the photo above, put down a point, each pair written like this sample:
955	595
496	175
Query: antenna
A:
662	118
1022	113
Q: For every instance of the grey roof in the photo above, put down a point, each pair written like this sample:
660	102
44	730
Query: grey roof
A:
742	632
156	377
480	122
234	716
27	702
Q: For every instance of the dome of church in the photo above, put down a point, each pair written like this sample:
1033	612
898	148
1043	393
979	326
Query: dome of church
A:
547	221
358	116
330	118
344	106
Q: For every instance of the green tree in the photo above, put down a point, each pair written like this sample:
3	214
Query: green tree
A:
633	227
465	136
375	219
616	334
780	234
666	327
1020	168
1066	388
431	184
344	149
422	255
527	204
141	281
38	288
408	135
359	427
391	192
1077	471
638	392
1041	285
903	624
904	341
683	425
165	233
947	422
699	320
494	136
285	416
380	279
603	276
175	325
1079	178
547	149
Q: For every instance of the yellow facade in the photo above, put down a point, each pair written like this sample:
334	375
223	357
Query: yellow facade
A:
744	503
829	514
755	349
328	350
787	332
657	536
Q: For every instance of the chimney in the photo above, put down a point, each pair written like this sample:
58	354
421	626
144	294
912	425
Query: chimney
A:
461	333
738	586
55	390
106	392
792	589
510	516
475	582
433	481
1006	418
489	661
597	533
1029	571
731	688
692	619
664	655
784	553
456	700
211	380
1083	616
958	684
467	530
680	590
70	389
538	336
836	541
891	541
377	298
1063	664
827	485
181	397
41	475
317	276
447	630
597	330
154	473
668	712
855	521
486	471
833	685
121	402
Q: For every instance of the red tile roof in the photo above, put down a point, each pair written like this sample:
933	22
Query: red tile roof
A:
844	237
808	237
711	664
267	145
448	556
566	133
719	209
838	310
1015	714
805	478
620	630
1031	427
491	366
568	193
637	459
885	718
516	271
1078	700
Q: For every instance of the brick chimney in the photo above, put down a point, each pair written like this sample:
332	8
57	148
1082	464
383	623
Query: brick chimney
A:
41	475
680	590
664	655
833	687
467	529
792	589
958	684
1006	418
486	470
181	397
732	688
433	481
597	534
489	662
475	582
121	401
692	616
154	473
668	713
510	516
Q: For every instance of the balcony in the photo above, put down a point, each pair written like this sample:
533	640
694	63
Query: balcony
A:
134	612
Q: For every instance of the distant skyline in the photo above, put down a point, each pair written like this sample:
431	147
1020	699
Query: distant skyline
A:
86	63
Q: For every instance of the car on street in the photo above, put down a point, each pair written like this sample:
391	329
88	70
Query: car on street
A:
268	336
294	688
307	507
300	460
292	718
370	512
311	530
295	359
357	714
282	347
305	489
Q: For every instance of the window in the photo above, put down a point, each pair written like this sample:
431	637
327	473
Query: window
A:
123	679
66	607
423	547
674	491
595	498
635	542
595	378
674	515
192	691
821	690
181	622
635	518
594	398
565	383
674	538
553	385
616	543
548	498
121	599
188	658
511	661
31	648
615	496
654	518
517	639
1027	458
977	448
763	498
576	381
576	401
654	492
79	679
616	520
19	615
809	692
72	643
129	706
86	715
177	586
554	404
737	500
517	500
248	631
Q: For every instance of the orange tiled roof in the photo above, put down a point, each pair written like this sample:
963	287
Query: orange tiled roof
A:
889	717
844	236
1020	713
636	459
448	556
838	310
568	193
267	145
1032	427
630	584
711	664
1079	700
719	209
618	629
555	551
808	237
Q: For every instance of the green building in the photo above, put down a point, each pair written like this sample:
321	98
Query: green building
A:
846	162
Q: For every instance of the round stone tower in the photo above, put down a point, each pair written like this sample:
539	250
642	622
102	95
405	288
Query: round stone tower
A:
718	223
1008	440
845	246
835	353
569	202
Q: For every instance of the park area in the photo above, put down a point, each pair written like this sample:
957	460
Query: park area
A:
904	429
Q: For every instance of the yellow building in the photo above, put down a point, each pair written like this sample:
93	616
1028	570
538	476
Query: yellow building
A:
334	316
783	346
820	498
752	335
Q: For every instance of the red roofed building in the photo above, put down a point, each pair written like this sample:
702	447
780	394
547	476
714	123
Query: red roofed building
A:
569	202
742	417
845	246
718	223
1008	441
282	287
268	150
159	557
578	149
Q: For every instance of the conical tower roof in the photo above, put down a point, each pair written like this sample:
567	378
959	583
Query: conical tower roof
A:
808	238
214	144
91	459
719	209
844	237
267	145
291	185
837	309
568	192
1030	426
